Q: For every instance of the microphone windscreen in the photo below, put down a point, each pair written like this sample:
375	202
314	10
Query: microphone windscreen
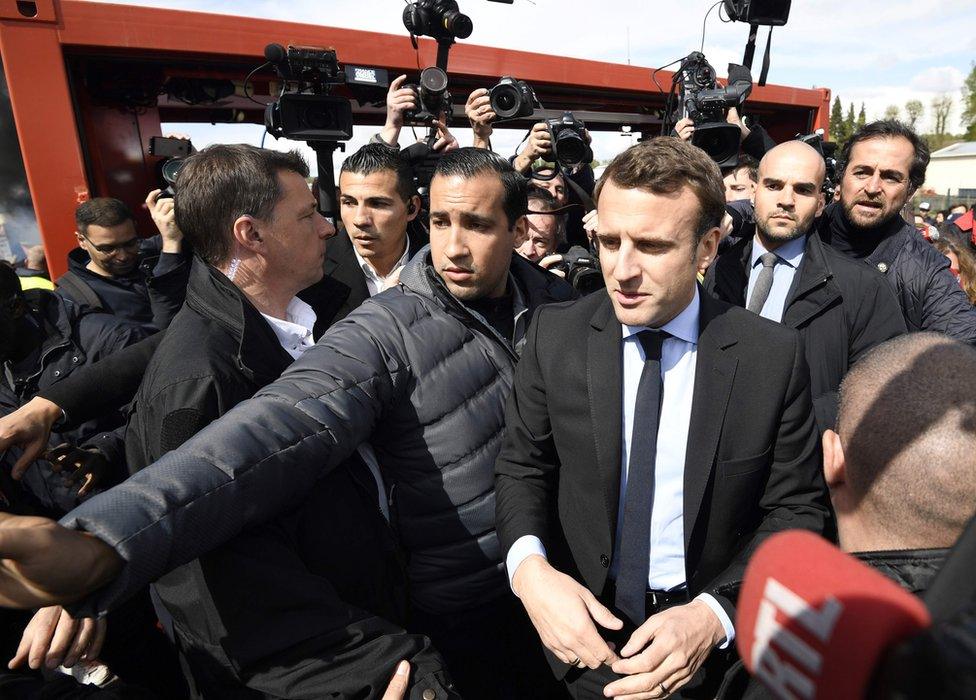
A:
813	622
274	53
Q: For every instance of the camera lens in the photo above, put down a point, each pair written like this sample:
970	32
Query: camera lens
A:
570	149
171	169
458	25
433	80
505	101
318	118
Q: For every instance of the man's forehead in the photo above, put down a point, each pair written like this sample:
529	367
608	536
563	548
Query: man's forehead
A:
379	179
888	149
123	231
640	212
480	191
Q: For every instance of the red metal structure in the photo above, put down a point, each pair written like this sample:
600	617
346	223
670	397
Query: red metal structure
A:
87	89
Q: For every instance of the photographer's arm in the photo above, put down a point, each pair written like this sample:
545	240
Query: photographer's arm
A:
398	100
540	143
480	115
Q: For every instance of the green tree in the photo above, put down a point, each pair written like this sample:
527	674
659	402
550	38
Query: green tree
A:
969	103
850	121
892	112
862	118
837	132
914	109
941	108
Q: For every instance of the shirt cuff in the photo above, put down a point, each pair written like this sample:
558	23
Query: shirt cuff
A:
720	613
524	547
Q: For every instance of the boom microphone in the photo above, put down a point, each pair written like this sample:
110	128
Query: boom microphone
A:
813	622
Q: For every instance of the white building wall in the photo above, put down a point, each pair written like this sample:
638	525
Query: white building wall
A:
950	174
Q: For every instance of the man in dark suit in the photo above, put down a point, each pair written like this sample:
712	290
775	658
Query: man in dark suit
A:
841	308
654	439
380	232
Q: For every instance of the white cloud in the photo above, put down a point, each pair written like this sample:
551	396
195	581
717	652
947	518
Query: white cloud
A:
937	80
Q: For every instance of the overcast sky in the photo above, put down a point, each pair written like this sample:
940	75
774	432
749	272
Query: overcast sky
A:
874	52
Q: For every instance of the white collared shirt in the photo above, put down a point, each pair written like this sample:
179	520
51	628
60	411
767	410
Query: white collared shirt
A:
375	282
294	334
789	255
666	539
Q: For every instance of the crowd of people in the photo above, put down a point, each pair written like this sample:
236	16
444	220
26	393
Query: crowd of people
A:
408	455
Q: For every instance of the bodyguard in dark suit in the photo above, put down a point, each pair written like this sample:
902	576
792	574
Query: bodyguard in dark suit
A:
654	439
380	232
841	308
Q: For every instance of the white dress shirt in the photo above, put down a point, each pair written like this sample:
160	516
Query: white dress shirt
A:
790	255
375	282
666	539
295	335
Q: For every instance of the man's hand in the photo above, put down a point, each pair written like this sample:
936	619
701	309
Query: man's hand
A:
399	100
733	118
28	428
445	139
480	116
550	261
563	613
591	224
663	654
163	214
397	689
685	129
54	638
88	466
539	145
725	226
46	564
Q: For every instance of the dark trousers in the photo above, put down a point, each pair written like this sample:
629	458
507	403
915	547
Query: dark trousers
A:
492	652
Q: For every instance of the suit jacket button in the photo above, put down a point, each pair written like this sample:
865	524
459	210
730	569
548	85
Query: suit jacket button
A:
605	560
429	694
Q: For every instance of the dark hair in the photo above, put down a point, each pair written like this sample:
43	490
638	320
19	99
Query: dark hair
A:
470	162
890	129
224	182
951	242
663	165
541	194
747	162
376	157
9	282
101	211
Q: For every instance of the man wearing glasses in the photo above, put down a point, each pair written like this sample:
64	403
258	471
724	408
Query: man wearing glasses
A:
113	269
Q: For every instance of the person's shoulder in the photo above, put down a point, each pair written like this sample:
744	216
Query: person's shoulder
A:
848	270
734	324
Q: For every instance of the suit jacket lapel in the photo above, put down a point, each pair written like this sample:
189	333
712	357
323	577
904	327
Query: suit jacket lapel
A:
731	277
714	373
604	377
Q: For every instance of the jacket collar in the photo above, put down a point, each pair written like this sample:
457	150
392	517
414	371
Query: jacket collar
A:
211	295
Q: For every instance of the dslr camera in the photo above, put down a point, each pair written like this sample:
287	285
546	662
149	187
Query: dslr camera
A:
439	19
512	99
582	270
708	105
307	110
173	153
432	98
569	147
827	151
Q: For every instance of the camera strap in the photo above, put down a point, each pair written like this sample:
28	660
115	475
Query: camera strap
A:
586	200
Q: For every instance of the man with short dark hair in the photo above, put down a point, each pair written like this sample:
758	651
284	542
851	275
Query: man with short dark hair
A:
546	225
112	269
740	179
883	164
654	438
379	205
421	371
782	271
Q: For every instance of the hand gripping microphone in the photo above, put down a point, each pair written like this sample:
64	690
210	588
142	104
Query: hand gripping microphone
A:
813	622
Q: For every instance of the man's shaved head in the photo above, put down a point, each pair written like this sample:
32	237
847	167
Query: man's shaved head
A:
907	425
788	195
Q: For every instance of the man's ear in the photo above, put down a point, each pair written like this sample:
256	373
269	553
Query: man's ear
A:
413	207
81	240
247	235
835	466
707	248
521	231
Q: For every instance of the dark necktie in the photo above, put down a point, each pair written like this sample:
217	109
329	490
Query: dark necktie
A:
763	283
636	531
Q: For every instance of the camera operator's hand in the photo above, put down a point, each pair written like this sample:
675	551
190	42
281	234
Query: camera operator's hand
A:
163	214
445	139
53	638
397	689
734	118
539	144
28	428
685	129
550	262
87	466
398	100
591	224
480	115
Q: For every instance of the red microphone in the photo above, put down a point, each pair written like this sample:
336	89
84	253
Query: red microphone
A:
813	622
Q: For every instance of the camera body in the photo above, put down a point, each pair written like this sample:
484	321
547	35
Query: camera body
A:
512	99
569	147
174	153
707	105
582	270
432	98
309	112
827	151
439	19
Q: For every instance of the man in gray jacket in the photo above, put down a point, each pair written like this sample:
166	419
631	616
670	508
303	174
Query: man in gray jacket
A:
422	372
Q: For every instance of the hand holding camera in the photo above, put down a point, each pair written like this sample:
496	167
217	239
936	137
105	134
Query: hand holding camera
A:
399	99
480	116
539	145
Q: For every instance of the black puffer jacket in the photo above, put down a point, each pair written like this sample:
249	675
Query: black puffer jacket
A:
414	372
